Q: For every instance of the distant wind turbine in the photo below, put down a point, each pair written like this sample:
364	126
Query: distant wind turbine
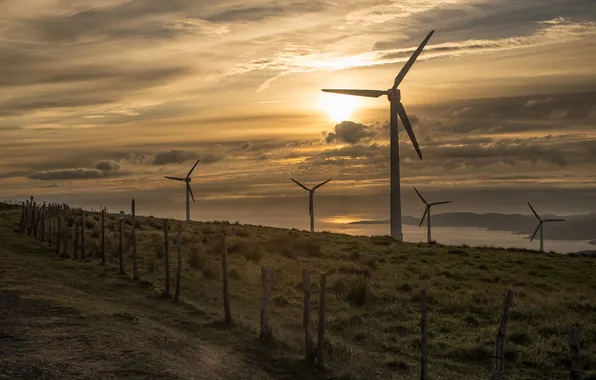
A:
541	227
397	109
311	207
427	212
187	180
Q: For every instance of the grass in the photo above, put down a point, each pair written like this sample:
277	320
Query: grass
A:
372	300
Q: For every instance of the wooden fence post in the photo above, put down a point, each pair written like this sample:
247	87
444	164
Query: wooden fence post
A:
103	236
224	266
321	341
43	222
267	282
308	338
34	220
51	225
76	241
424	336
22	221
58	230
167	257
83	237
577	370
179	270
28	218
499	351
135	272
66	231
121	248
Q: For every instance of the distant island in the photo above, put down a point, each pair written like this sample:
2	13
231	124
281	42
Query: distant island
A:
576	227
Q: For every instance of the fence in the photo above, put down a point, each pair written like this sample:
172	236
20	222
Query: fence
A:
33	218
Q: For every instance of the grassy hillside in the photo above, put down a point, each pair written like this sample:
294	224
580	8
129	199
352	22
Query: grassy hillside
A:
373	296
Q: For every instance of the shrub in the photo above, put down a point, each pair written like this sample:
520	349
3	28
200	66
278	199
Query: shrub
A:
152	266
210	270
196	257
234	274
280	301
358	291
241	232
254	255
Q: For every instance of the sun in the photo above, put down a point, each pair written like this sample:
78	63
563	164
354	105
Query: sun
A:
338	107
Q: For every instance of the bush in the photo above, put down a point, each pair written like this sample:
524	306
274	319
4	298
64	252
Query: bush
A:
241	232
254	255
210	270
234	274
358	291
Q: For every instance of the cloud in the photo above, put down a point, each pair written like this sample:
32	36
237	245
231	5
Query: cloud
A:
304	58
173	157
67	174
349	132
107	166
177	156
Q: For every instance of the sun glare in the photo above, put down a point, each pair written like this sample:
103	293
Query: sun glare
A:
338	107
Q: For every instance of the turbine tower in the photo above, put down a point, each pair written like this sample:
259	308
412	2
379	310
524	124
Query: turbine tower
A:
541	227
311	207
187	180
397	109
427	212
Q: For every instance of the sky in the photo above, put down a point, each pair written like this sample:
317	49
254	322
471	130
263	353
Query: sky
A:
101	99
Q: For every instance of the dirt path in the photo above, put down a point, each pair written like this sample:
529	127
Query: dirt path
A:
63	319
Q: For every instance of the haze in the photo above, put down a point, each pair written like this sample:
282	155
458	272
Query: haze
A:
101	99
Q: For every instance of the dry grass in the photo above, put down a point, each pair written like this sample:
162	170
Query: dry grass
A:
373	298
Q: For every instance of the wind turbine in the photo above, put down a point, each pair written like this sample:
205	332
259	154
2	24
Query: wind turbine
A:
541	227
427	212
311	207
397	109
187	179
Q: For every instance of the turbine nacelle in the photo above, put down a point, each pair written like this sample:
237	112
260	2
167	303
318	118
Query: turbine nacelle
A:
394	95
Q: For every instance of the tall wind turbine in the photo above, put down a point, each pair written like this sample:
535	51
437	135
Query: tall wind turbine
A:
397	109
541	227
187	180
311	206
427	212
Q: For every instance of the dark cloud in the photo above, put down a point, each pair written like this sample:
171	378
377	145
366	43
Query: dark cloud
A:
257	13
350	132
14	174
173	157
107	166
180	156
129	19
67	174
485	21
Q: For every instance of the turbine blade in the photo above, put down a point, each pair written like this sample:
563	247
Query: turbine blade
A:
367	93
411	61
320	184
421	197
301	185
190	191
424	216
535	232
554	220
440	203
534	211
193	168
174	178
404	118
